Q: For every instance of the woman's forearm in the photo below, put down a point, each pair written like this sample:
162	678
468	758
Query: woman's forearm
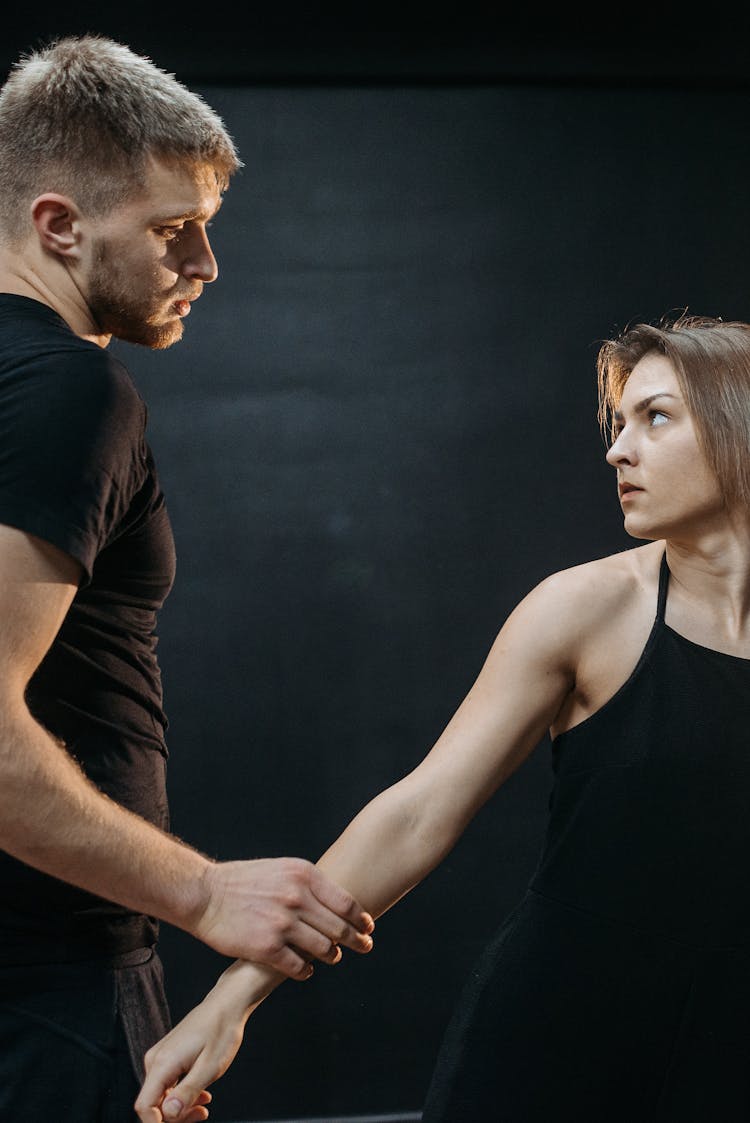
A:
390	846
386	850
403	833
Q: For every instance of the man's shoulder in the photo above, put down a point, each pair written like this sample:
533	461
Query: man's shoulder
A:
100	381
76	384
41	357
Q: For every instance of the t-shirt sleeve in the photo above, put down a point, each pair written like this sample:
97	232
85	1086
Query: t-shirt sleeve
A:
72	451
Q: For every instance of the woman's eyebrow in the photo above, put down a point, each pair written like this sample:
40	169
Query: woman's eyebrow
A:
645	403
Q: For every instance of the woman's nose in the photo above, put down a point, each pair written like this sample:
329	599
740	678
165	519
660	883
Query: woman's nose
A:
621	451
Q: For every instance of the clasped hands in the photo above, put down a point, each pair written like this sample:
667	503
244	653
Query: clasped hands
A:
274	915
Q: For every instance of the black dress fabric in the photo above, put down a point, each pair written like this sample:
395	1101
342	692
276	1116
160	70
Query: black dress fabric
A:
618	991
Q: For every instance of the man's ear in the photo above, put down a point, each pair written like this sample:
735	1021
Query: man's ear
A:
56	220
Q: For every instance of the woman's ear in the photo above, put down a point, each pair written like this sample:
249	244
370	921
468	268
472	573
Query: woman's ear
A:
56	220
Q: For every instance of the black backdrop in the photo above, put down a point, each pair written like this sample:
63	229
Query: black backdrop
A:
378	434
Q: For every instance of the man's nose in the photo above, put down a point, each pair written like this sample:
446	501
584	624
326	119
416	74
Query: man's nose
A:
200	262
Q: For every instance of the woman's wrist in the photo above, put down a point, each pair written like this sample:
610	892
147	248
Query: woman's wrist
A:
243	986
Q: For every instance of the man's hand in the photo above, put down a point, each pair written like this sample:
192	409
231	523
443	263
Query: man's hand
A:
281	912
278	911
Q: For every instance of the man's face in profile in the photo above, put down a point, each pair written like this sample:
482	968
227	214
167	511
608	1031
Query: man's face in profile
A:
151	255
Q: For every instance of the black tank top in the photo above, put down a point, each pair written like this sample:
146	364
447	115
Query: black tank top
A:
650	808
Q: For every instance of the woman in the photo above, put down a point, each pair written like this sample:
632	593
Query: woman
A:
619	988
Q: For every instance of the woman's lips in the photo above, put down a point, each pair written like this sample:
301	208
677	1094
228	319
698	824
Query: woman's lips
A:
628	490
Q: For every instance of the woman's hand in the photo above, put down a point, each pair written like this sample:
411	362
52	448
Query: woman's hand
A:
201	1047
179	1067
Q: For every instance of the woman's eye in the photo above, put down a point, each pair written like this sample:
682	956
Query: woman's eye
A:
656	417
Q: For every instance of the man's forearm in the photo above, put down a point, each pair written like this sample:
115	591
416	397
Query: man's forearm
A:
278	911
53	818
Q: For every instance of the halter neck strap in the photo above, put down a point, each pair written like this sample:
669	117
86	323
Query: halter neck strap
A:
661	605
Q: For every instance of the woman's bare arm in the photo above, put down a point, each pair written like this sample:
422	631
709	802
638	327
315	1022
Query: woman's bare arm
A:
404	832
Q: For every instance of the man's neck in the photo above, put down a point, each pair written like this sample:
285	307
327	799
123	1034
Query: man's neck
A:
22	277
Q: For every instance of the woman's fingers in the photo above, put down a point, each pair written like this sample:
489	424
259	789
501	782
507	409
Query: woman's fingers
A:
177	1106
180	1067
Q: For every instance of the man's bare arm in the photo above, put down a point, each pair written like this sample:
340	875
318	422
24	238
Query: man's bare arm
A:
54	819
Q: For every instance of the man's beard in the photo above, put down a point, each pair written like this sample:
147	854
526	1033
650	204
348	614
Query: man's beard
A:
123	314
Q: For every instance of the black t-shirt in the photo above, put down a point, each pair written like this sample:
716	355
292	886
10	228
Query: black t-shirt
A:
76	471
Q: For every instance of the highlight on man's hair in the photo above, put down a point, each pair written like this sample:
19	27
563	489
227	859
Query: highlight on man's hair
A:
83	115
711	359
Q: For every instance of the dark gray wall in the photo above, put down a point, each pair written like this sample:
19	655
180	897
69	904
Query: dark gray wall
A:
378	434
406	42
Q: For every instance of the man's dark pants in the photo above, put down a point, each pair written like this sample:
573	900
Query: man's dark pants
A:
72	1037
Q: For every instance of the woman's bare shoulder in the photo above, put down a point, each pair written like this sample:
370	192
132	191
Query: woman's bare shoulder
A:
579	596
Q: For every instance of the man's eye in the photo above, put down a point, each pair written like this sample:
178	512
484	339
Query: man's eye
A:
169	232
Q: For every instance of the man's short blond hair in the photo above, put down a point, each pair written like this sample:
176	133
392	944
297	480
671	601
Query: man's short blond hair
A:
82	116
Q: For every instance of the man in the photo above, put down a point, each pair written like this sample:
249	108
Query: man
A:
110	171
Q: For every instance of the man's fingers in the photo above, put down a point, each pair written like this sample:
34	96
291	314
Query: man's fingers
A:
324	931
340	902
330	954
291	961
255	906
310	942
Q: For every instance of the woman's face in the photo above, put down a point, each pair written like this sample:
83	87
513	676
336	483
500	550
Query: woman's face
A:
666	488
